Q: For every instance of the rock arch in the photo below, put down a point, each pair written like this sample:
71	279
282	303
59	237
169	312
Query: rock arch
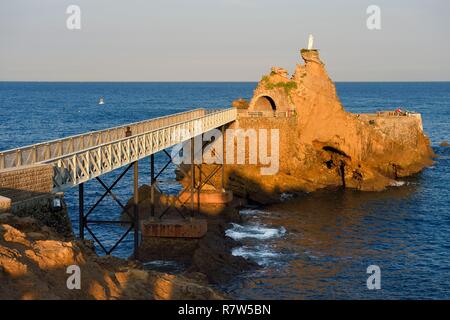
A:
264	103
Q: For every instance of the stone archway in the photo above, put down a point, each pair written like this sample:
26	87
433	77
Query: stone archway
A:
265	103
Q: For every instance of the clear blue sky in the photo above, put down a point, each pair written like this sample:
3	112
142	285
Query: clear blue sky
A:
221	40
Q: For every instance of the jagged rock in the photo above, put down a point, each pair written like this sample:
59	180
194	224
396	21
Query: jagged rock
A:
213	258
37	269
323	145
280	71
240	104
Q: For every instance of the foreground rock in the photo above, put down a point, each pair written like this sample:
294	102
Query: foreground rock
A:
34	261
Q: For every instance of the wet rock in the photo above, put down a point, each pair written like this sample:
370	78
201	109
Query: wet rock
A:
214	259
444	144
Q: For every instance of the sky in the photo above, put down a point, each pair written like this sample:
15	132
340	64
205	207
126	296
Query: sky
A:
221	40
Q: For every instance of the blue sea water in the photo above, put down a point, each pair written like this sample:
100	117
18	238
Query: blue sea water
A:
317	246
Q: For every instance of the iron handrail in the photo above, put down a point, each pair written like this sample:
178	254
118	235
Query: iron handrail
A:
42	151
80	166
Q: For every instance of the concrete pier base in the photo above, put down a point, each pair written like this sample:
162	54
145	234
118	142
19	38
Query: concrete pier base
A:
171	239
174	228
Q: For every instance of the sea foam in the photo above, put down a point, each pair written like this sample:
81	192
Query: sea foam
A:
256	231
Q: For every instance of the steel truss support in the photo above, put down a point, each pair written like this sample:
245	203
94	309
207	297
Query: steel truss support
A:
133	224
197	180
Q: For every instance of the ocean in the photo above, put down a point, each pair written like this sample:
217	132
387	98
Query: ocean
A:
316	246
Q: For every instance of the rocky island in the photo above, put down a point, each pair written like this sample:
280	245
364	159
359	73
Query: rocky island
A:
322	145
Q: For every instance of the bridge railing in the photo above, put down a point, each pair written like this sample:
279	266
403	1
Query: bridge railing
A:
44	151
81	166
266	114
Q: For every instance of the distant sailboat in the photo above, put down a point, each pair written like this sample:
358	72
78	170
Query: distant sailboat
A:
101	101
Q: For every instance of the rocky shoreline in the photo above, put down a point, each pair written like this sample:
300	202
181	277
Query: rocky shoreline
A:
211	255
35	255
34	261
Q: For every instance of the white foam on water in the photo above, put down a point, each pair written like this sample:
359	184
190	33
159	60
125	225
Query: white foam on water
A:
286	196
255	231
251	212
262	255
397	183
248	252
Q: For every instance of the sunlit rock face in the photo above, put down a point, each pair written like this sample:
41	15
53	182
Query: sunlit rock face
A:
321	144
34	262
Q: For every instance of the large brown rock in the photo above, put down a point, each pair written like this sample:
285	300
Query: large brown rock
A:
37	269
321	144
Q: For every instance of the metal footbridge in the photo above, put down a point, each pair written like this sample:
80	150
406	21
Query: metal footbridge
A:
83	157
80	158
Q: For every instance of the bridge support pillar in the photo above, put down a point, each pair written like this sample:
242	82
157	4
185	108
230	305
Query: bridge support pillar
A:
81	210
223	159
152	185
192	176
136	210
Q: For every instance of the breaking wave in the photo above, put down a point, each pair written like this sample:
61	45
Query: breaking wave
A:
255	231
262	255
397	183
251	212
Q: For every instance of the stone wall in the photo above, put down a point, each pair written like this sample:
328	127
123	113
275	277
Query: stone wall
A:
22	183
27	191
288	133
403	129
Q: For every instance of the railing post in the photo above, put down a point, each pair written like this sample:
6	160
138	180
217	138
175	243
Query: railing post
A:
99	160
136	148
48	151
18	158
60	149
110	158
74	172
128	150
72	145
35	155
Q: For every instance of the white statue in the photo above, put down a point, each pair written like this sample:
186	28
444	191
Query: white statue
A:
310	42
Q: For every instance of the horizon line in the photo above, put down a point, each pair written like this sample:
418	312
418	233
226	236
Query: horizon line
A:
209	81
